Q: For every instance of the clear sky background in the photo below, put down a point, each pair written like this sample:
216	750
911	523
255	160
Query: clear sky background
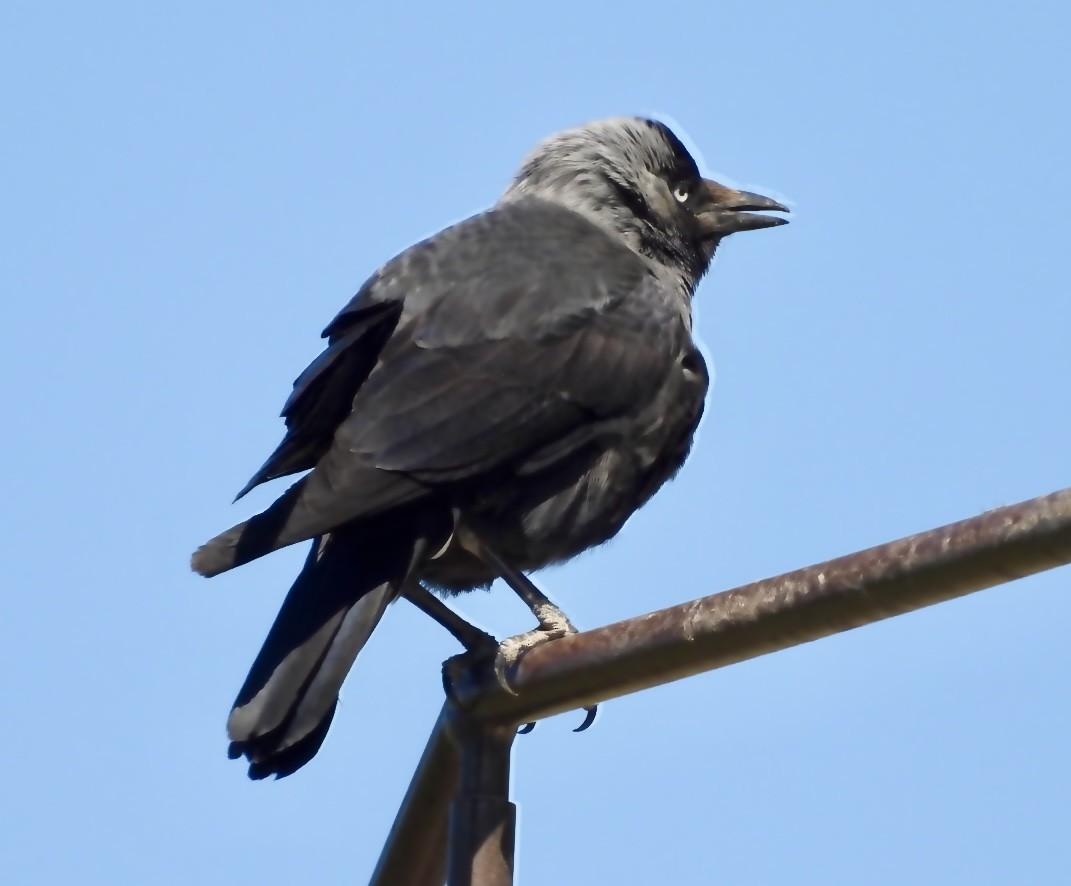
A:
189	194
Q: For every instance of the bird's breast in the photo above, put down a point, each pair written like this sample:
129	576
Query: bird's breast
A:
535	520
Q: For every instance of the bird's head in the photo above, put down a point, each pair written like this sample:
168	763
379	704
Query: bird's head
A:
634	177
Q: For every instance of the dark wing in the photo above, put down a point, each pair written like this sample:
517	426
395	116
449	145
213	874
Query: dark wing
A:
551	330
455	412
323	393
523	333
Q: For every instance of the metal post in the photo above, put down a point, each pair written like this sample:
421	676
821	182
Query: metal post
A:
421	827
483	821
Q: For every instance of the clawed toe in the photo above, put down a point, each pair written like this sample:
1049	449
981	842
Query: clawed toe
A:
552	626
488	655
589	718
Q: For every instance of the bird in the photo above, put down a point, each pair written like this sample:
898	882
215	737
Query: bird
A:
498	397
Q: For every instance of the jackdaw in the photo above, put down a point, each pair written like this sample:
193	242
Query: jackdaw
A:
497	398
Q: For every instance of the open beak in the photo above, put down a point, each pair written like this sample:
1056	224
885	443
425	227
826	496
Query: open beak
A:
726	211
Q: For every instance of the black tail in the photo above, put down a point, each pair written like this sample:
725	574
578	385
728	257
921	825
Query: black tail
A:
313	506
283	711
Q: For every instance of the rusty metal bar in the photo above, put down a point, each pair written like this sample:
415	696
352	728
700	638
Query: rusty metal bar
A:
776	613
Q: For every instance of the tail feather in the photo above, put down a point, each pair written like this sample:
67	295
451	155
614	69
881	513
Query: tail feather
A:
255	537
282	713
288	761
321	692
316	504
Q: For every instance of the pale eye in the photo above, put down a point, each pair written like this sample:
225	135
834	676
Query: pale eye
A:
681	193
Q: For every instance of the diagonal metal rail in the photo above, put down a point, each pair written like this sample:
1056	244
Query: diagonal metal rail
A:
776	613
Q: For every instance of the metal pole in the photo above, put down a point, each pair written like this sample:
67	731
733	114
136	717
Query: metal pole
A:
459	796
483	821
419	833
777	613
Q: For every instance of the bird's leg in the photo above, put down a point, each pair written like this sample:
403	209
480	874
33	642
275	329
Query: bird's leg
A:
466	633
553	623
480	647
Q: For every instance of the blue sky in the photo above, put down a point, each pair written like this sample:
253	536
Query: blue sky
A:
190	194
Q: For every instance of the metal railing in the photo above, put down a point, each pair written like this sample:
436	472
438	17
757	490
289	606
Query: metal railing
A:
456	820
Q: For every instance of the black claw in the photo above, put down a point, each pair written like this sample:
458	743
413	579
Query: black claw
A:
588	719
526	728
